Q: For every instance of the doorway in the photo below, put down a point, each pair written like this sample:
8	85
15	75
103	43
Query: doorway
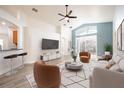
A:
15	37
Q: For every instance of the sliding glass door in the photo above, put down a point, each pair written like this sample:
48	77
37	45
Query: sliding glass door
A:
87	43
86	40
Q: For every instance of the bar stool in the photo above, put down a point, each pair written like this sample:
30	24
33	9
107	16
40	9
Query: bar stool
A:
11	57
23	54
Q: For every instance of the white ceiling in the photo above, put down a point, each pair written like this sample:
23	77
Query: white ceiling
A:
84	13
4	22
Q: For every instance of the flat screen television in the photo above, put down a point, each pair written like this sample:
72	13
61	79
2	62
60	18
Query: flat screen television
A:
50	44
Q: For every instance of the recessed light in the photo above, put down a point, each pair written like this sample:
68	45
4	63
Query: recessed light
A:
3	23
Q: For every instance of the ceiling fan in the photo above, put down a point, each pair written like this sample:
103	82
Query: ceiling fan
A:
67	15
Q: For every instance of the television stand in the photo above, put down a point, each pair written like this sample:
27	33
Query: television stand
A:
50	55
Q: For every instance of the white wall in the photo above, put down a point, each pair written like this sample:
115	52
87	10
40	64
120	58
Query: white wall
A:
5	39
118	17
65	40
6	35
33	34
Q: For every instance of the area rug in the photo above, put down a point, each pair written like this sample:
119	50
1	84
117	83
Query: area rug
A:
69	79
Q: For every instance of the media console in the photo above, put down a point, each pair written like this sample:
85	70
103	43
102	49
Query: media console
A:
46	56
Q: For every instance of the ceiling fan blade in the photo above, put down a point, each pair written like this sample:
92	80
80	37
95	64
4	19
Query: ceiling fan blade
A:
62	19
66	9
72	16
70	12
61	14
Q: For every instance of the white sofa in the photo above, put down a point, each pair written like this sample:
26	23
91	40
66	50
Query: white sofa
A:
108	78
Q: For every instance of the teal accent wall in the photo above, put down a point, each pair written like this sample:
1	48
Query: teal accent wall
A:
104	35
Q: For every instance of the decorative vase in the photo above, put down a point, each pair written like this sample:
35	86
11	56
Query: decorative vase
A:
107	52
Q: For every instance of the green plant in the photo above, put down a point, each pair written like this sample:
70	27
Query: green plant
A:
108	47
74	56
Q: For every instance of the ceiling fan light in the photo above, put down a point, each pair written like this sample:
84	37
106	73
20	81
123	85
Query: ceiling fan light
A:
66	18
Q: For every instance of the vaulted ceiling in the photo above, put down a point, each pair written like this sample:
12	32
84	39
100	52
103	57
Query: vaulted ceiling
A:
49	13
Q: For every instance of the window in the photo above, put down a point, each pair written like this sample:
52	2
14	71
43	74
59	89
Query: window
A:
87	30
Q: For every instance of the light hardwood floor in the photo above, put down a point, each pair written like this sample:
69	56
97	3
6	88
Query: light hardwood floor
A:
18	80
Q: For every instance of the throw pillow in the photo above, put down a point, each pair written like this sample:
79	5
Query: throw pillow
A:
110	64
115	68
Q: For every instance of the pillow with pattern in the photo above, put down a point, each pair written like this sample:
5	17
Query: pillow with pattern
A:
110	64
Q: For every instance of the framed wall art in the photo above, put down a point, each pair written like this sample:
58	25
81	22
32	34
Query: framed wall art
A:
123	35
119	38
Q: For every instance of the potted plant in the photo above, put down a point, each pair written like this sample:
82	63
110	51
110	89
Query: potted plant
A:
108	49
74	56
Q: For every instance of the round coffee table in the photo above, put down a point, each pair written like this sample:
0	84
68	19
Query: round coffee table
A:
73	65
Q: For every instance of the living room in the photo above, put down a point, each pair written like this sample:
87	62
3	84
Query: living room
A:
53	37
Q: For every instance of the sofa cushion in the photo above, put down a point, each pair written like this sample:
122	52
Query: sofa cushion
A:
111	62
101	64
121	64
115	67
116	59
